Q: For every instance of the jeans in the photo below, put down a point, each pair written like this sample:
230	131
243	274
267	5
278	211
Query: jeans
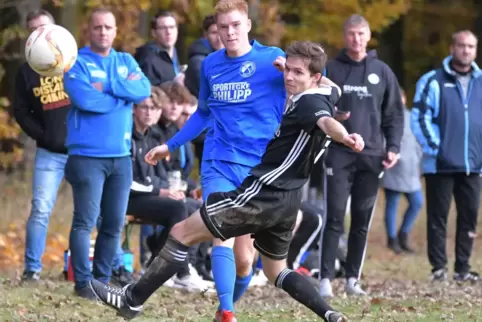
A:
100	186
415	202
119	255
47	175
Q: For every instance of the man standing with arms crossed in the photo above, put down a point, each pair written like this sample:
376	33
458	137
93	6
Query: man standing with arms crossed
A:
103	85
372	106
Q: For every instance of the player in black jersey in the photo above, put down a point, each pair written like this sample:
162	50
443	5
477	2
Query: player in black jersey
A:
266	203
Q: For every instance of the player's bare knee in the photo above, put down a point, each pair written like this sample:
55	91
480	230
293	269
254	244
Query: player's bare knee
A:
244	264
179	232
272	268
227	243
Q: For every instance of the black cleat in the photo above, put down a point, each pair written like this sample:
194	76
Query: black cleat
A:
116	298
466	277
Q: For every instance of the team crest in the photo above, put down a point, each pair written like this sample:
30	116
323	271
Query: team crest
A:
122	71
373	78
247	69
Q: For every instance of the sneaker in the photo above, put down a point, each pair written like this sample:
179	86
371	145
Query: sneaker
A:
325	288
86	293
115	297
352	287
258	279
224	316
29	276
122	277
332	316
192	283
466	277
439	275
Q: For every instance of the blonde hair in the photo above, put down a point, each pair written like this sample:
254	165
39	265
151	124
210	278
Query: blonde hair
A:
225	6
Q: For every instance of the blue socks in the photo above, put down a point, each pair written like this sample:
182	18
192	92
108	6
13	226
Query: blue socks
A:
224	273
241	285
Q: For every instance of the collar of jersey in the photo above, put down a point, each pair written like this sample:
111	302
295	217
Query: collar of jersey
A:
323	90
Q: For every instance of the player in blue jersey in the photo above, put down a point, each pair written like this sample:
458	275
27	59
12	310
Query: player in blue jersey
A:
244	95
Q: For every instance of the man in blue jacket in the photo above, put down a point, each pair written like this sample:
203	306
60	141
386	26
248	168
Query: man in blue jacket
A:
447	121
102	85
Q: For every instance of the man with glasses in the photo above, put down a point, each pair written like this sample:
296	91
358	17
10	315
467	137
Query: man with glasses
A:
158	58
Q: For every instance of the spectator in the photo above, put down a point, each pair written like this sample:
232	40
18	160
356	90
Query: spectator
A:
403	178
41	112
150	198
371	95
103	84
447	122
158	58
180	99
199	50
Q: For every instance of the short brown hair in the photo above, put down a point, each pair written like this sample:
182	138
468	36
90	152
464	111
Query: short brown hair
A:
311	53
32	15
455	35
225	6
101	11
176	92
159	97
355	21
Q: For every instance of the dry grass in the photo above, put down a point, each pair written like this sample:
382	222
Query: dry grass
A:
398	284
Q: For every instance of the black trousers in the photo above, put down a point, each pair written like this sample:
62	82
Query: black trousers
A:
439	190
165	212
348	173
307	234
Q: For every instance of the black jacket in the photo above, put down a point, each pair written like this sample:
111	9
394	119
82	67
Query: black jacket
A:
196	54
372	95
156	63
147	179
40	107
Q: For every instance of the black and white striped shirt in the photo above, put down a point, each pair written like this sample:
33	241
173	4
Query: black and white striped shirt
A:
290	155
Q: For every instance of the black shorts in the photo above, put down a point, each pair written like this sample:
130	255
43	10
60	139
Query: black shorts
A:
268	213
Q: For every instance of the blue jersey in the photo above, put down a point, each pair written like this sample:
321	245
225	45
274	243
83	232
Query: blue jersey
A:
244	97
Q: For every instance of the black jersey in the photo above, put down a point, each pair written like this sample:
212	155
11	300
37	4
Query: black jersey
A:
290	155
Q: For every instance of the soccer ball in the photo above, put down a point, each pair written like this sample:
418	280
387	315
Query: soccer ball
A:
51	50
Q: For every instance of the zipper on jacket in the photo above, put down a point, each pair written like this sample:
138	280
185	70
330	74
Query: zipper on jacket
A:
465	101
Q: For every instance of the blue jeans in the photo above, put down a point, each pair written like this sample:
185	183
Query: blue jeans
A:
119	255
415	202
48	173
100	186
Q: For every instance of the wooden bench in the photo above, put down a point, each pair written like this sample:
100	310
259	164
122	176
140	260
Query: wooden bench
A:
130	221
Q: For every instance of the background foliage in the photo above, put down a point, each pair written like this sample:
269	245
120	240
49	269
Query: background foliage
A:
412	36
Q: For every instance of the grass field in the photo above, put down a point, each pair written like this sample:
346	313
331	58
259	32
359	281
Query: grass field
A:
398	285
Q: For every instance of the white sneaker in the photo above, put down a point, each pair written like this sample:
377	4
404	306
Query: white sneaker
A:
169	283
325	288
353	287
192	283
258	279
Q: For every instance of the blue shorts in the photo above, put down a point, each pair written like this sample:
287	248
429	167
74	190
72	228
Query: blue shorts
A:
221	176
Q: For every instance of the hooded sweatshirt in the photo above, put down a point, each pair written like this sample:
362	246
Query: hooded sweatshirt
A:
156	63
371	94
99	123
196	54
40	106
